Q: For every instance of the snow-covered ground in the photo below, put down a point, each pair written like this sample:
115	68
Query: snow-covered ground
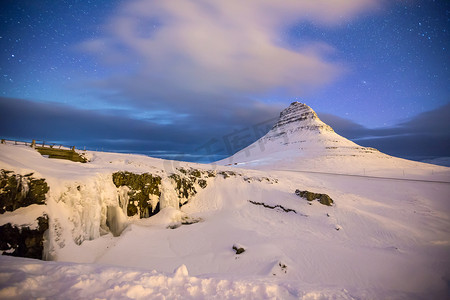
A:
31	279
393	239
387	236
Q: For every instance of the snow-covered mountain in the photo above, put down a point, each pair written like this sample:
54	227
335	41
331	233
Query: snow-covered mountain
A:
301	141
281	223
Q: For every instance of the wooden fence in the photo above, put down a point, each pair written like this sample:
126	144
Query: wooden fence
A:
38	143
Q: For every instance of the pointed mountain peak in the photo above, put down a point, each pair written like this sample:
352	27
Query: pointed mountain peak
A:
299	116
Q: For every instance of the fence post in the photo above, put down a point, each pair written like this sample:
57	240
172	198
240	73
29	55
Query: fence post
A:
33	144
73	148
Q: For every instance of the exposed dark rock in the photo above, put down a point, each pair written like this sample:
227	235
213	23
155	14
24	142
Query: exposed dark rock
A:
174	226
183	170
20	190
186	181
131	209
298	113
279	269
227	174
193	173
141	186
184	187
196	173
202	183
185	221
23	241
259	179
273	207
190	221
239	250
310	196
282	266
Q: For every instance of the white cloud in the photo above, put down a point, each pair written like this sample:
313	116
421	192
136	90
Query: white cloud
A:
215	57
208	45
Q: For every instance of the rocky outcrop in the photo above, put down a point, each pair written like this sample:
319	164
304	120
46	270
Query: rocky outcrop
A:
23	241
20	190
143	192
184	186
299	116
310	196
186	180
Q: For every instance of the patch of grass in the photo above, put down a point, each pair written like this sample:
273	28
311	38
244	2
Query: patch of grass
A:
62	154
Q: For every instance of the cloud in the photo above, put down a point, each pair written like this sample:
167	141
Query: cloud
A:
344	127
188	72
117	130
188	57
425	135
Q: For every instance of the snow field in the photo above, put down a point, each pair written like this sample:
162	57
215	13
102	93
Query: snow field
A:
381	239
30	279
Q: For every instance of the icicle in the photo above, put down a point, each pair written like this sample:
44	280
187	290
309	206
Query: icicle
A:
123	198
169	197
116	220
24	187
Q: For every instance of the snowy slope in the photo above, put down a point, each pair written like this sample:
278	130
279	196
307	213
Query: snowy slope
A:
382	238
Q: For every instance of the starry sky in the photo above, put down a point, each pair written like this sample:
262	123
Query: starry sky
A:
198	80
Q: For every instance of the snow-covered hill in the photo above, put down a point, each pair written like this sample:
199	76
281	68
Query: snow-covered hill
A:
381	239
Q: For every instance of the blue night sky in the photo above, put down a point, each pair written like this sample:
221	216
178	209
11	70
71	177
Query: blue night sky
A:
198	80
